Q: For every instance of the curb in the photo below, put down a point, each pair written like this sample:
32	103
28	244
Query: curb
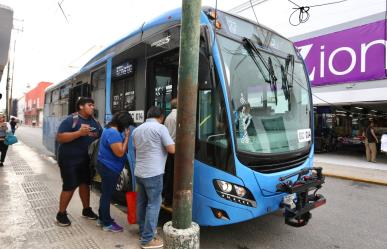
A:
383	183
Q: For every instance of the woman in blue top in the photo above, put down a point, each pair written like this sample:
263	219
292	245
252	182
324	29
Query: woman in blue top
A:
111	159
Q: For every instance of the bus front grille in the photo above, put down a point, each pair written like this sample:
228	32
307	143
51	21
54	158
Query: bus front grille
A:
272	164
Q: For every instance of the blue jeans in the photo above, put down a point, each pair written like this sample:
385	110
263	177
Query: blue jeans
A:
109	181
148	205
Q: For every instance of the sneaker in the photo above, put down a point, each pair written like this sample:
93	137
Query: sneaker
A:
99	223
88	213
62	219
114	227
154	243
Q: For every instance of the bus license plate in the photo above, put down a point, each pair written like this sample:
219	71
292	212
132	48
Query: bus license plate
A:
289	200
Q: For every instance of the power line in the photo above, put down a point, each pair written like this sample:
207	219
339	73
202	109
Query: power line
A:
246	5
60	6
303	11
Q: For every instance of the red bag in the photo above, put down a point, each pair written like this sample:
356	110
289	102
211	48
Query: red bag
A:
131	203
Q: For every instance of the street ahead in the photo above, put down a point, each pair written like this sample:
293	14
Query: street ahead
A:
355	216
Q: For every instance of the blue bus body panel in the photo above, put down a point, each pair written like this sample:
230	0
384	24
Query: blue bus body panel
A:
50	128
205	197
262	186
108	114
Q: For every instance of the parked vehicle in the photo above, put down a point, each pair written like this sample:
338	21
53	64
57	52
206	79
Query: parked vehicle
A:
254	139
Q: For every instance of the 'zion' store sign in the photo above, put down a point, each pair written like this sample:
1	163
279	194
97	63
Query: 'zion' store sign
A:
351	55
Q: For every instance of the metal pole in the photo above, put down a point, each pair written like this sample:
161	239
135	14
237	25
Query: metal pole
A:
186	114
13	70
7	90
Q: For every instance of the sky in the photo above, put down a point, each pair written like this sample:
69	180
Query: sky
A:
51	48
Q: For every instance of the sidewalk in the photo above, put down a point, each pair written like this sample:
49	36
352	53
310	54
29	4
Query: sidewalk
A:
29	191
353	168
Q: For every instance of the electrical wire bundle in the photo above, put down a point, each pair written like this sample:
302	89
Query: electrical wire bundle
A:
303	12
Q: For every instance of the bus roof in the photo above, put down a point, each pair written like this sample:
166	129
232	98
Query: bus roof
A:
168	18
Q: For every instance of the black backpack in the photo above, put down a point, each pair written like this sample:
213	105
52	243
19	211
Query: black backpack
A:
93	154
93	147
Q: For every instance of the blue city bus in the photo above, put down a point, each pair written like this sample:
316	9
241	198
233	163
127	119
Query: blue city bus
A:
254	139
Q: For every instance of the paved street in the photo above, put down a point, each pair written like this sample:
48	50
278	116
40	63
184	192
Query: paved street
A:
33	137
354	217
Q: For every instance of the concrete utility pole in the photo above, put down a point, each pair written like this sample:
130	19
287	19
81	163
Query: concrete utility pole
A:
7	90
182	232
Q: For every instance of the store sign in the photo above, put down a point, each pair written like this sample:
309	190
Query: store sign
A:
123	70
351	55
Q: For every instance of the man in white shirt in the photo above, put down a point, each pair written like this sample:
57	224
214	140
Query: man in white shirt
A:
170	123
153	143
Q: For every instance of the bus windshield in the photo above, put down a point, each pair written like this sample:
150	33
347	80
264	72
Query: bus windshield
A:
270	99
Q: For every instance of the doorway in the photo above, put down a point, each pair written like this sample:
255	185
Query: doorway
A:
162	80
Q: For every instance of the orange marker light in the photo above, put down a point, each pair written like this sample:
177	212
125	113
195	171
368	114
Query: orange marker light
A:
212	14
218	24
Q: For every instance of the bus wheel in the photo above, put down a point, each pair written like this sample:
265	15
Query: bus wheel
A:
123	181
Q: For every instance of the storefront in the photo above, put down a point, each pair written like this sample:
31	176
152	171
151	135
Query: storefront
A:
347	66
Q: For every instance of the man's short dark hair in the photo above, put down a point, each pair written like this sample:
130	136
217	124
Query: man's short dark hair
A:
174	103
84	101
154	112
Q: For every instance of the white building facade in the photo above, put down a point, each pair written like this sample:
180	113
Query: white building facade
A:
21	104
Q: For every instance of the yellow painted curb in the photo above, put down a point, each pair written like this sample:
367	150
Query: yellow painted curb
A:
384	183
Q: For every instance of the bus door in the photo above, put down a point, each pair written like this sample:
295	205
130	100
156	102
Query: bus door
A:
98	85
162	80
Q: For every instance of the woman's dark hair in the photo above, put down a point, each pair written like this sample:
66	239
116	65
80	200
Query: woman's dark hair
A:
154	112
84	101
121	120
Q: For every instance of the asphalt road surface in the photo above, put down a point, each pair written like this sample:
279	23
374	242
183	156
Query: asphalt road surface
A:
33	137
355	217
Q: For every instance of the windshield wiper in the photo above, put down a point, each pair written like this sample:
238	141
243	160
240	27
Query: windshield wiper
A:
285	82
272	79
273	83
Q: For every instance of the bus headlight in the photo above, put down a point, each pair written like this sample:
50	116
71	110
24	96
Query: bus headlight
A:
240	191
224	186
234	193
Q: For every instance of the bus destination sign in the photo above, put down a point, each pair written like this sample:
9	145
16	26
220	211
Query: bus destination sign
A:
125	69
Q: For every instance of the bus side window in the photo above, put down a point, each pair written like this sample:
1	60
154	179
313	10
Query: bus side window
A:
213	136
98	82
80	90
